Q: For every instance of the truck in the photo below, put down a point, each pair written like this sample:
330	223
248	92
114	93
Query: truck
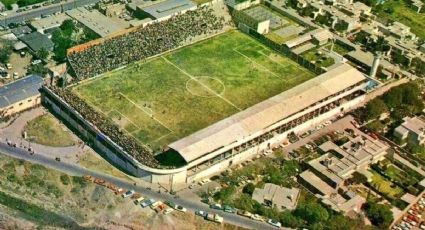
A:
214	217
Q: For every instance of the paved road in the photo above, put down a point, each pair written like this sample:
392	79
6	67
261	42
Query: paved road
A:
14	17
76	170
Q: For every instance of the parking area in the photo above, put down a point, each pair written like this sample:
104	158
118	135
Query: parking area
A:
414	217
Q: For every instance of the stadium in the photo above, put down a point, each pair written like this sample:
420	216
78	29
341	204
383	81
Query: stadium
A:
184	98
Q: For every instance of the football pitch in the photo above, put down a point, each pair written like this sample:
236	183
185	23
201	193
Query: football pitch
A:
163	99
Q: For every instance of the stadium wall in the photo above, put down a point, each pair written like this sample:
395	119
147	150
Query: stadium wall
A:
106	147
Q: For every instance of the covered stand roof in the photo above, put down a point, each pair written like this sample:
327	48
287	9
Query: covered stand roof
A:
264	114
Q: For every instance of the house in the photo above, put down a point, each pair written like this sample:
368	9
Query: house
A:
276	196
412	130
20	95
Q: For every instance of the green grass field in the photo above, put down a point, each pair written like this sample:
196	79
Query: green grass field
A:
169	97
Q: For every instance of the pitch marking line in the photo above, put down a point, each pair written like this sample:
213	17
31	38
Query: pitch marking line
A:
257	64
202	84
127	119
150	115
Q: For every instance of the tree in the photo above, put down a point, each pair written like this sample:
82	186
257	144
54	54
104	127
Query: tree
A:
249	188
379	214
358	178
287	219
42	53
225	194
312	212
375	108
5	53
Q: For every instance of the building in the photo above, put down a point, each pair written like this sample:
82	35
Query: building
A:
97	22
317	37
276	196
20	95
166	9
412	130
45	25
338	163
37	41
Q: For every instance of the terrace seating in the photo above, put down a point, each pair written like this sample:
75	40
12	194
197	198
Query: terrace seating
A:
141	153
144	42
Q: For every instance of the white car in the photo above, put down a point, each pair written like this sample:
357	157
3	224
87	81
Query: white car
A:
204	181
274	223
128	194
201	213
139	200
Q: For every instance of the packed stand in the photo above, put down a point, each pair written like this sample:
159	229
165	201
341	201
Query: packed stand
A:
145	42
141	153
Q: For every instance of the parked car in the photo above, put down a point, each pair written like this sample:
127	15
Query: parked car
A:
214	217
274	223
257	217
180	208
244	213
129	193
201	213
229	209
216	206
147	202
139	200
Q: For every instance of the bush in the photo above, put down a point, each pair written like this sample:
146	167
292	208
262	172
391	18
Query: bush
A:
64	179
287	219
249	188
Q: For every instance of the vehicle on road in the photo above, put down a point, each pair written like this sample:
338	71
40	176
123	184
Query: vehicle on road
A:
155	204
216	206
58	159
180	208
257	217
201	213
244	213
214	217
229	209
147	202
138	200
274	223
128	194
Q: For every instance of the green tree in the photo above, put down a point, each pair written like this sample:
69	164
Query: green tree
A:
312	212
287	219
5	53
42	53
249	188
379	214
375	108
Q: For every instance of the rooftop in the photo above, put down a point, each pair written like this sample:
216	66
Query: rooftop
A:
49	22
316	182
247	123
99	23
20	90
412	124
280	196
167	8
37	41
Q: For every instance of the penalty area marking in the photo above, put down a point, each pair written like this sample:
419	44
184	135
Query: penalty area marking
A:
150	115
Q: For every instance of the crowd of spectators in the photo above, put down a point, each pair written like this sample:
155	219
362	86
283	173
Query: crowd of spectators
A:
145	42
141	153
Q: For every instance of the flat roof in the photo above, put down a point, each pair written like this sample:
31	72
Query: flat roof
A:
264	114
37	41
49	22
20	90
99	23
414	124
167	8
316	182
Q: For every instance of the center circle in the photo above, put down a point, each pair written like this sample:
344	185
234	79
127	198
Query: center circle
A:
205	86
